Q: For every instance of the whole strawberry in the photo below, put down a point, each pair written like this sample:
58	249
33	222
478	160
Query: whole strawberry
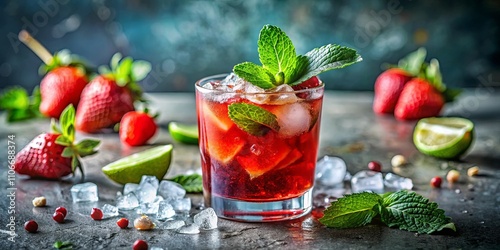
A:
64	80
110	95
54	155
137	127
390	83
59	88
418	99
425	95
388	87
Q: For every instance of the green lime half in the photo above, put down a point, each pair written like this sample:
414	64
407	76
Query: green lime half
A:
444	137
183	133
154	161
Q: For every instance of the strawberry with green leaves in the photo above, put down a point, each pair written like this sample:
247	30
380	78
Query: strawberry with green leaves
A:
64	80
390	83
425	95
54	155
111	95
137	127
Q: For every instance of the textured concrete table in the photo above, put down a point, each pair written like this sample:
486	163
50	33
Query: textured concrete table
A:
349	130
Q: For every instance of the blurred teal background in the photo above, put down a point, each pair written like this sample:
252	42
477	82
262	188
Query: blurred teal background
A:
187	40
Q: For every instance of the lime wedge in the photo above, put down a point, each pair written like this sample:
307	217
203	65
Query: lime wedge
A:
154	161
183	133
445	137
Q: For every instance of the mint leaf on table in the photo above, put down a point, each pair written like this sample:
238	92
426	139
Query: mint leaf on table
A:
18	105
252	119
191	183
405	210
63	245
412	212
353	210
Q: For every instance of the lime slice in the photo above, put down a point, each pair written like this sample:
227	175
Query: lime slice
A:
183	133
154	161
445	137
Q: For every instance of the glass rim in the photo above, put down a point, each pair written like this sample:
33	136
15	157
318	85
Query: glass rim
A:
222	76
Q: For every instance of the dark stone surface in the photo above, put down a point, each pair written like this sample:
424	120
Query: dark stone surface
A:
349	130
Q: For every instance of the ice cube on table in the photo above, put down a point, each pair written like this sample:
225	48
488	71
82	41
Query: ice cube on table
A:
180	205
109	211
165	211
293	119
367	180
156	248
173	224
189	229
127	202
170	189
330	171
85	192
397	182
130	187
206	219
150	207
148	188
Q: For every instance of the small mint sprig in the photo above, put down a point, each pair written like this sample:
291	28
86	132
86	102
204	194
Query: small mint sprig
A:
405	210
281	64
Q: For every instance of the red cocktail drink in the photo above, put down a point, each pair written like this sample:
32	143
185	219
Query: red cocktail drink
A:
258	148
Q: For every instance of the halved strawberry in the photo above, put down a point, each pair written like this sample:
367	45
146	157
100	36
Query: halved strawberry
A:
223	146
290	159
266	160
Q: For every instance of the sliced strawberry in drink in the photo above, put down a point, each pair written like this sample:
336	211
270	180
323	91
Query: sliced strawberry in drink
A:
217	115
265	160
307	84
223	146
290	159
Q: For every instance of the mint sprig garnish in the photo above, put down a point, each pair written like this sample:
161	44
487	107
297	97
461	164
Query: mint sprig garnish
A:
192	183
252	119
405	210
281	64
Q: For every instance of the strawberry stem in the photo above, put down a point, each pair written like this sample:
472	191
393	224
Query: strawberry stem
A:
35	46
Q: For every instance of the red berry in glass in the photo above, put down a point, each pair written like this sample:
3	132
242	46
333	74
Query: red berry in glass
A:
140	245
375	166
62	210
96	214
436	182
31	226
58	217
122	223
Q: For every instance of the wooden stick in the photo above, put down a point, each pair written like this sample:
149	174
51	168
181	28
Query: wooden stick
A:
35	46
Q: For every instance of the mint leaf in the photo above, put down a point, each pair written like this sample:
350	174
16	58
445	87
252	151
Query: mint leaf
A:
252	119
326	58
276	52
255	74
63	245
191	183
412	212
353	210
